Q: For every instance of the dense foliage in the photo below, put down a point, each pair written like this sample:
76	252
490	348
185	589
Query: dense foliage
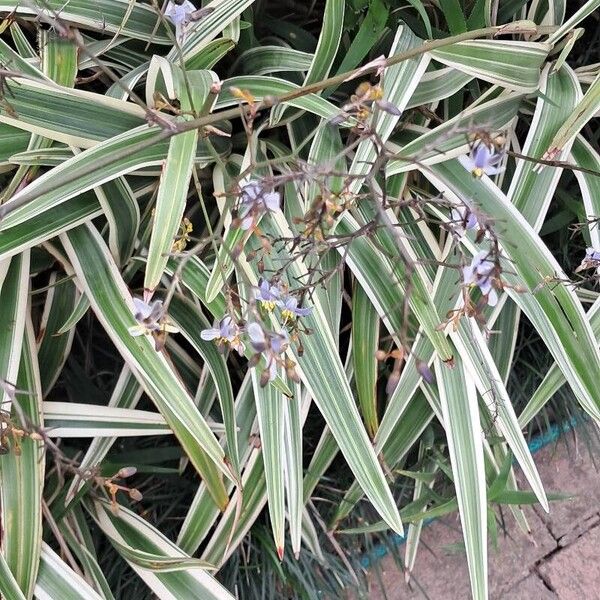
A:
264	267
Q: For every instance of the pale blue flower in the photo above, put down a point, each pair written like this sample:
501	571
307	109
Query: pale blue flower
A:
180	16
147	315
593	255
480	274
227	332
591	260
254	202
463	219
289	308
270	344
267	294
483	160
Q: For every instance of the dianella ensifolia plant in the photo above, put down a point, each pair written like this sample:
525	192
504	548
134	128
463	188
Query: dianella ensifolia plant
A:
271	219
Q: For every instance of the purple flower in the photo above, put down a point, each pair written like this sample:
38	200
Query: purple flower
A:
590	260
592	255
289	308
479	274
270	344
463	219
179	14
483	160
227	332
267	294
151	320
147	315
255	201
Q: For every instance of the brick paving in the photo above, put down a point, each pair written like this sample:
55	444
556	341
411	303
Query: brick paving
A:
557	560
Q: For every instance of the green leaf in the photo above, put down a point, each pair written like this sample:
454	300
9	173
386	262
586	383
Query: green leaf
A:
584	111
56	581
461	422
270	413
137	541
22	474
263	60
292	450
103	15
366	37
8	584
531	190
53	349
365	343
177	170
455	17
329	41
109	298
71	419
514	65
223	13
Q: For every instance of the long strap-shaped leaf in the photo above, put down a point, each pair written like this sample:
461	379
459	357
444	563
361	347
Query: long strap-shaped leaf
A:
192	91
101	281
269	410
584	111
13	311
531	191
56	581
511	64
292	450
133	536
22	477
53	349
107	14
556	313
202	514
72	419
9	588
190	321
323	375
223	13
458	399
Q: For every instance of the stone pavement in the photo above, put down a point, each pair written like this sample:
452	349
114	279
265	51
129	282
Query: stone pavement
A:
558	559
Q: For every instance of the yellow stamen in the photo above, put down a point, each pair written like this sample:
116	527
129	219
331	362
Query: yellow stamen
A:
287	315
268	305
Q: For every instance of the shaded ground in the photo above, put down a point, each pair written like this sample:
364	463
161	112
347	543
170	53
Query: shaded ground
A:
557	560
